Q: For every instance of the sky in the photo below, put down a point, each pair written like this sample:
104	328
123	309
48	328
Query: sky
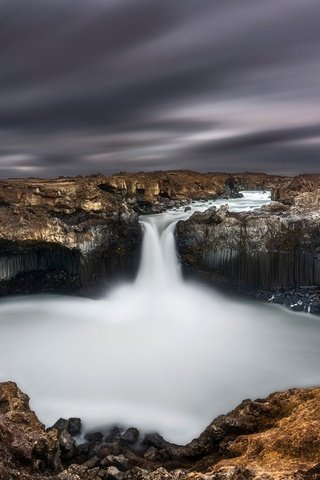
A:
101	86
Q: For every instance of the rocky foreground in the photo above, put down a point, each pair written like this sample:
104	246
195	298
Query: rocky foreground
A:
273	438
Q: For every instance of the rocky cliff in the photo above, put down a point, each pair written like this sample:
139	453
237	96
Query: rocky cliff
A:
74	234
274	438
63	235
274	248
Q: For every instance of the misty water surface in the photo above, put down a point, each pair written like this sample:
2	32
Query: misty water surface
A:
160	353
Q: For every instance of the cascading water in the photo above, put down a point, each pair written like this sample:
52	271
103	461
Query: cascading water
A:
159	264
161	354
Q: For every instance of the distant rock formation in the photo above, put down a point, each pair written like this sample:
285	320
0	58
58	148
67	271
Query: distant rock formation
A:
273	438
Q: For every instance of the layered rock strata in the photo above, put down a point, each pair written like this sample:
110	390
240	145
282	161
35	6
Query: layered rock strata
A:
273	438
64	235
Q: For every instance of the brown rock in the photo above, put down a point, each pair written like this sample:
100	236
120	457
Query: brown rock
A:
23	439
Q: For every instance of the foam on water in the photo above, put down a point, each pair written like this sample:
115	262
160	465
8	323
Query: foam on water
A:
160	353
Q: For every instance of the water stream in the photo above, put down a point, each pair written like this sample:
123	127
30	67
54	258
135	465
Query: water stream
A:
160	353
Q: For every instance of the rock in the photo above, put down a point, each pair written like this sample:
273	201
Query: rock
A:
23	439
152	454
155	440
96	437
74	426
83	452
112	473
62	424
93	462
119	461
67	445
187	209
131	435
114	434
270	248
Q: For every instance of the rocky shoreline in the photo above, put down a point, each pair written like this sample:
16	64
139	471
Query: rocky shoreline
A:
273	438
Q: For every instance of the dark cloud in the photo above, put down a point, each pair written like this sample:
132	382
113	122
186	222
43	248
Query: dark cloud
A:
107	85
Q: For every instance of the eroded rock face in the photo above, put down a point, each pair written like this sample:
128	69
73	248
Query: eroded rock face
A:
63	235
273	438
276	246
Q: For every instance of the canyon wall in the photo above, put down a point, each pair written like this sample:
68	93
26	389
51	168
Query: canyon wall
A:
64	235
274	248
77	235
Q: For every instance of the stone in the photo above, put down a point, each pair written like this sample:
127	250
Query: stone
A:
95	437
131	435
61	424
67	444
74	426
119	461
276	437
112	473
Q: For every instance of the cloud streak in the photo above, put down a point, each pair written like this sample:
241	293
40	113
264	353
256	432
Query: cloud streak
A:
108	85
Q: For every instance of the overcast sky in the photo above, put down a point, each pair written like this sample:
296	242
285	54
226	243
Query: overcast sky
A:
91	86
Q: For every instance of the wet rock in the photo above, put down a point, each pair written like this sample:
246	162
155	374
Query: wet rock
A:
62	424
131	435
154	440
74	426
96	437
114	434
92	462
67	445
83	452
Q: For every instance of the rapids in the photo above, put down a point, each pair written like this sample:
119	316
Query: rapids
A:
160	353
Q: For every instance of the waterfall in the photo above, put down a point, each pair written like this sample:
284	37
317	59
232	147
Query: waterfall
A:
158	353
159	263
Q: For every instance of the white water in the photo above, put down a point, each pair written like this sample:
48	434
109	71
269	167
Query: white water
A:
160	354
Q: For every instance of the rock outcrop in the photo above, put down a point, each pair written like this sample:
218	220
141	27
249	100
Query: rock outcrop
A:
301	191
274	248
24	444
63	235
273	438
74	234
